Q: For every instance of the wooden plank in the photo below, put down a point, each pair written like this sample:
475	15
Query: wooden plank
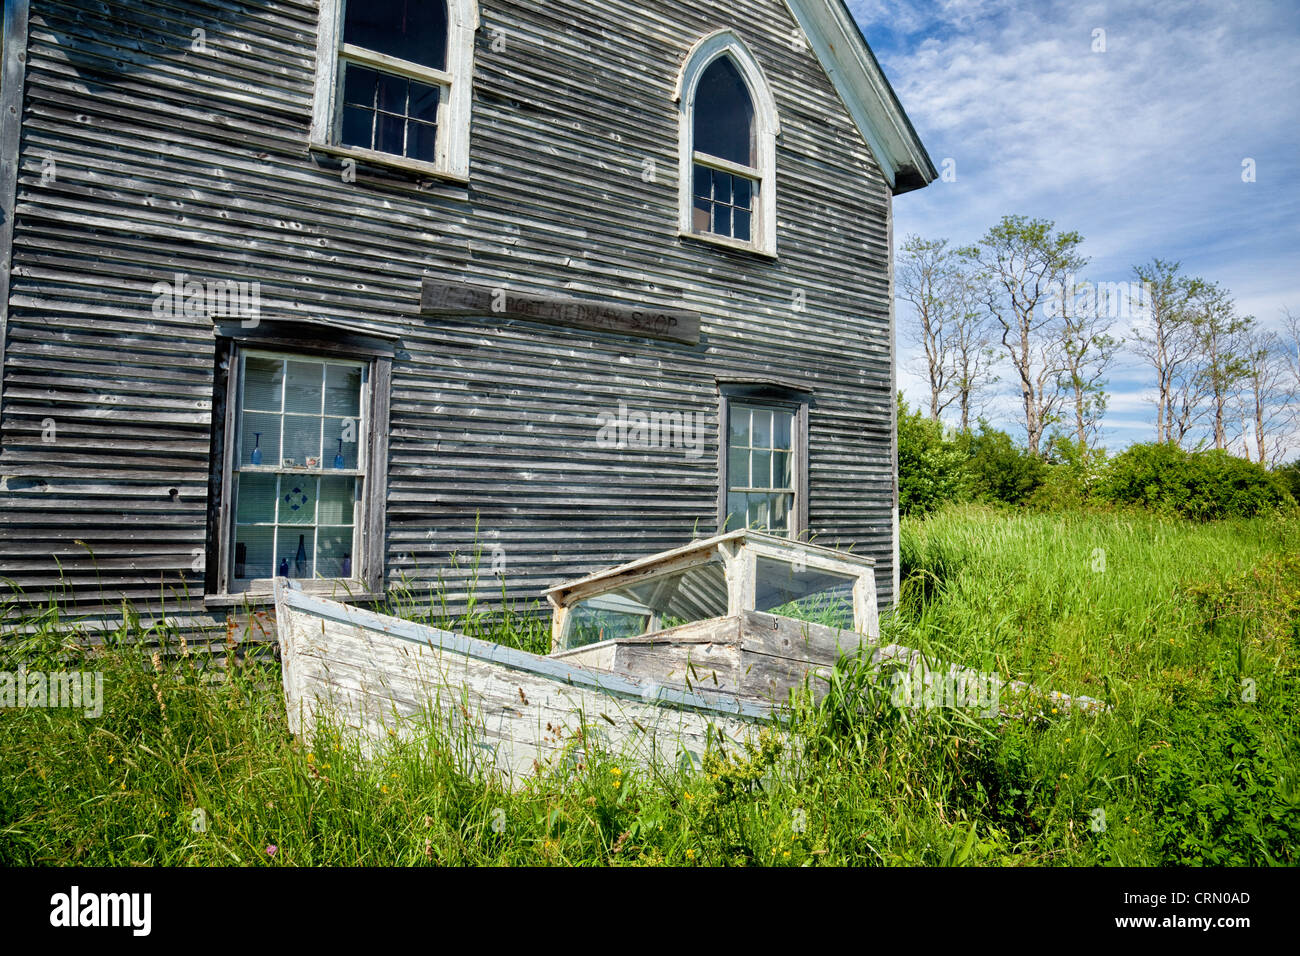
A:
672	325
13	64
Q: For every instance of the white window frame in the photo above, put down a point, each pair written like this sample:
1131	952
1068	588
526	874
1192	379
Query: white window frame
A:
767	127
454	110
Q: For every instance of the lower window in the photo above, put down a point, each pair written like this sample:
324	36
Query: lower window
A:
763	467
299	482
302	472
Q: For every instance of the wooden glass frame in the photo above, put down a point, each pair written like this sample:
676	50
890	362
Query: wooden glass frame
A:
455	108
776	397
369	541
767	128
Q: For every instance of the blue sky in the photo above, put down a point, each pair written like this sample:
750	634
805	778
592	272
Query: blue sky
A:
1139	148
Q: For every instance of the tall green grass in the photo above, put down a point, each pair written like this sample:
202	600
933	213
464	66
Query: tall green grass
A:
1184	624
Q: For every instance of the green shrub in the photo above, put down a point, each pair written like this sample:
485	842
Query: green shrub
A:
929	465
997	469
1204	485
1290	476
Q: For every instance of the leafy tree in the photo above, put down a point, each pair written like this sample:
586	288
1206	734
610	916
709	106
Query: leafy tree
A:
1022	263
951	324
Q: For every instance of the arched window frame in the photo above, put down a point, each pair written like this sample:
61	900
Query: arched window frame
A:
454	111
768	126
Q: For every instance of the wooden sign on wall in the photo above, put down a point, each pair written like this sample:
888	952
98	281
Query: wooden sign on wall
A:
444	298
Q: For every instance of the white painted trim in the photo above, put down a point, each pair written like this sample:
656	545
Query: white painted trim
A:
838	43
456	116
768	122
893	403
13	65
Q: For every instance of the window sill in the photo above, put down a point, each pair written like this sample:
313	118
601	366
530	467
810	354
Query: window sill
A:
345	592
376	158
726	243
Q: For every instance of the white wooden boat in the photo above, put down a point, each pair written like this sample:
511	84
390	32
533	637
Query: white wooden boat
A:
659	659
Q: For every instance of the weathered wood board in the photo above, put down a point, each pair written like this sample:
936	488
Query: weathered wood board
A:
672	325
521	714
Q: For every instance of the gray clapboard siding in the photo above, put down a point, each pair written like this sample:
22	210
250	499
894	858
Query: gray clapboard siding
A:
172	161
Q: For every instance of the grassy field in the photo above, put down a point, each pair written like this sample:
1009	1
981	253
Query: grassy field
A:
1190	632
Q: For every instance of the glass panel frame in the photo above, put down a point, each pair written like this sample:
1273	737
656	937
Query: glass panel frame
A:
295	528
765	495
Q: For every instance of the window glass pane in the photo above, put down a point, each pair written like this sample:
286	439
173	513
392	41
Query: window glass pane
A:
337	498
702	219
735	511
762	428
742	192
721	220
761	469
784	425
414	30
724	114
302	441
343	390
263	380
781	513
253	550
703	182
297	552
390	134
782	474
334	553
391	96
721	187
740	425
738	468
359	85
422	142
424	102
297	500
651	604
302	392
741	227
260	439
358	127
805	594
256	499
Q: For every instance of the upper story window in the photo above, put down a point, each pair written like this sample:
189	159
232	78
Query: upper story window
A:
728	146
394	82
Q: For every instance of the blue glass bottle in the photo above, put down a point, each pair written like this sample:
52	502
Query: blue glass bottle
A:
338	459
257	448
300	559
284	567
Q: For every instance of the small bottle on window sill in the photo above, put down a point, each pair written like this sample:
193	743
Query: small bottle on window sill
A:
284	567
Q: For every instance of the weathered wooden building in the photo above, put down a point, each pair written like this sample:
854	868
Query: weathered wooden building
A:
336	290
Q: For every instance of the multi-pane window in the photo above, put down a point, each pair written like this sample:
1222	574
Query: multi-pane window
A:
761	465
724	203
725	156
390	113
299	472
399	75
